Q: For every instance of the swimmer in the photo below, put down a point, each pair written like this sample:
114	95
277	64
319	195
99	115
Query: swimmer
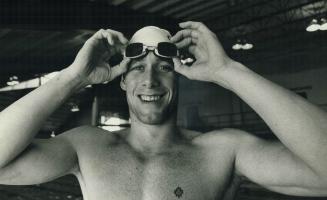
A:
154	158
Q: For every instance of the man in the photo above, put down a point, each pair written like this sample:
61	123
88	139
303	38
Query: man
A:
154	159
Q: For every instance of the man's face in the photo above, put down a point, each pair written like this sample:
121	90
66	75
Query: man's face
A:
150	82
150	86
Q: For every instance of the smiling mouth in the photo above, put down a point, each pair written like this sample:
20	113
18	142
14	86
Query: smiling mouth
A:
150	98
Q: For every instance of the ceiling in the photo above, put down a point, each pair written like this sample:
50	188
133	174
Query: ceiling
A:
38	37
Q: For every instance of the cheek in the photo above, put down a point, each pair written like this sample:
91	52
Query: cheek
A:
169	81
130	82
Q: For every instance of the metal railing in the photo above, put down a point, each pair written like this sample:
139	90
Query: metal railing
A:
248	121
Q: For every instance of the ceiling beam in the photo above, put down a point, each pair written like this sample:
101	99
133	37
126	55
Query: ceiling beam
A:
163	5
198	8
256	14
67	15
218	11
183	6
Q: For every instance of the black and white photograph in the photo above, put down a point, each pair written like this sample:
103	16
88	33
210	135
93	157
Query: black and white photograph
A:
163	100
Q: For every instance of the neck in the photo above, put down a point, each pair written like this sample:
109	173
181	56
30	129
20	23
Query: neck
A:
152	139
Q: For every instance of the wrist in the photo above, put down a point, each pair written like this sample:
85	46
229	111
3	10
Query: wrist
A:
228	74
72	80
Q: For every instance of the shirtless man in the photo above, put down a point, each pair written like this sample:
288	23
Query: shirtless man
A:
154	159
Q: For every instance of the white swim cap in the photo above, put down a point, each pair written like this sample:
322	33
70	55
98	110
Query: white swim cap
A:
151	36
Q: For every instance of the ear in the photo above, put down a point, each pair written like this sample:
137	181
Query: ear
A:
122	83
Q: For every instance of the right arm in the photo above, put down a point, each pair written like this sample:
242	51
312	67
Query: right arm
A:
20	122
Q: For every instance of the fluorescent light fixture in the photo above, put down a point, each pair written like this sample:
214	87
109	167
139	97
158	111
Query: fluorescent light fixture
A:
313	26
112	128
13	80
247	46
242	44
53	134
323	25
74	108
112	120
237	46
11	83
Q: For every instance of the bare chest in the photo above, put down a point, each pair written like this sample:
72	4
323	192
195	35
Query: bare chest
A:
121	174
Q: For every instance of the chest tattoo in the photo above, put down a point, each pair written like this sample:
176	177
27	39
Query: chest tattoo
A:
178	192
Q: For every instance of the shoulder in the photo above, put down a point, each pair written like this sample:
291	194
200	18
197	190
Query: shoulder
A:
86	135
227	138
221	135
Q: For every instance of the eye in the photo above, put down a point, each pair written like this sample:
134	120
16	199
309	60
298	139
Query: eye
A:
166	68
137	68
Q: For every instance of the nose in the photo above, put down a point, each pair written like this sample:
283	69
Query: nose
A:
150	78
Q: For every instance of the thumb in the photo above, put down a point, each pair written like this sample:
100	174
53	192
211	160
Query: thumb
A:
180	68
120	69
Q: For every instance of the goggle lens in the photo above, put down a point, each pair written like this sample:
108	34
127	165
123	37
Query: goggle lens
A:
167	49
134	49
164	49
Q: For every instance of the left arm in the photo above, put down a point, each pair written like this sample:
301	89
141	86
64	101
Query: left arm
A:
300	125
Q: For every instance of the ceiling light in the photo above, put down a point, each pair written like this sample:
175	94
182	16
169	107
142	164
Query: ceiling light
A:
53	134
74	108
112	120
313	26
13	80
113	128
247	46
237	46
323	25
242	44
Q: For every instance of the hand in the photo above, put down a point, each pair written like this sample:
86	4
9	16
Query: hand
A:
91	63
211	59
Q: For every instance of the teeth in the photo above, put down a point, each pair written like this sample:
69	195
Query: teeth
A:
150	97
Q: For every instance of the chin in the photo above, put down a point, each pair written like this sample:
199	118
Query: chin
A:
155	118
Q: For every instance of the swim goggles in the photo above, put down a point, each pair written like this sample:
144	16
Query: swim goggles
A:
163	49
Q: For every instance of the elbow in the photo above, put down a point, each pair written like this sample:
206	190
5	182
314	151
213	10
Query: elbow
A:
4	162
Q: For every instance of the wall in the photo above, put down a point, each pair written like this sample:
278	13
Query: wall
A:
316	79
207	99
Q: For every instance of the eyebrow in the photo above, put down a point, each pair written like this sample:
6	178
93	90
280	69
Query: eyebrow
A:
141	61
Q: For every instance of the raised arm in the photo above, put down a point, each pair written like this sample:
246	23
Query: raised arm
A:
300	125
22	120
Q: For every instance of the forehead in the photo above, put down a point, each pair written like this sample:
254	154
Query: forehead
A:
151	36
151	58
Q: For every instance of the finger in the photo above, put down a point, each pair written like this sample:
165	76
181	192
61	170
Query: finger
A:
194	25
98	34
180	68
114	41
119	40
120	69
185	33
108	36
186	42
195	50
120	36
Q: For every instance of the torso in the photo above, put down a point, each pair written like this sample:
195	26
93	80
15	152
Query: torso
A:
109	168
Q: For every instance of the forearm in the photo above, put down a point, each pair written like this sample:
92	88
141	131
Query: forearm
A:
20	122
300	125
